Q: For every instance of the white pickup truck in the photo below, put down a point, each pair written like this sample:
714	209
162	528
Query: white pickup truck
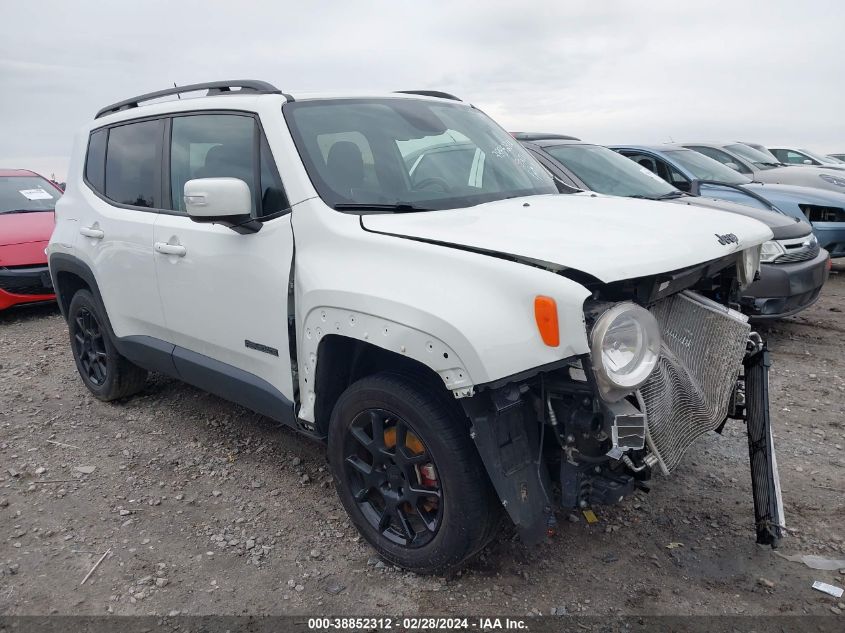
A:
463	336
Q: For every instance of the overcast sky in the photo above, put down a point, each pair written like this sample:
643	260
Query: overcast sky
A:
648	71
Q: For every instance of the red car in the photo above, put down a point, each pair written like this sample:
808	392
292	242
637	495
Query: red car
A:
27	201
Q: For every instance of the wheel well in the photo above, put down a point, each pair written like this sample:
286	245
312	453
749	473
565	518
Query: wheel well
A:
67	285
342	360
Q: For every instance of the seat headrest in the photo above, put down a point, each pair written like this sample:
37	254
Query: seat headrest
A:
647	163
345	167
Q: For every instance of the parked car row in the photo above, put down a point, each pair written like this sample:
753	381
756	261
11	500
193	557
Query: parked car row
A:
687	170
398	277
759	167
794	267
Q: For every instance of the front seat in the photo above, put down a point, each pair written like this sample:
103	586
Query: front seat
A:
648	164
345	168
227	161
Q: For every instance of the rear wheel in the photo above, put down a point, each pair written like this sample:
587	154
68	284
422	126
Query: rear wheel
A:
106	373
408	474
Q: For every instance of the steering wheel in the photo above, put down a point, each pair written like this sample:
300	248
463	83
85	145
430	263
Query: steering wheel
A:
436	181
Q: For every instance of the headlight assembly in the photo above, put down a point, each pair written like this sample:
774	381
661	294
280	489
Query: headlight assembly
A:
747	266
625	346
834	180
771	250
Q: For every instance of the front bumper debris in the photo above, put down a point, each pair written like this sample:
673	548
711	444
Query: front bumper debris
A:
548	440
765	479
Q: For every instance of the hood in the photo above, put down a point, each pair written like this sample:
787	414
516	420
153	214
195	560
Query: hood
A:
834	166
21	228
791	170
801	175
784	227
799	194
607	237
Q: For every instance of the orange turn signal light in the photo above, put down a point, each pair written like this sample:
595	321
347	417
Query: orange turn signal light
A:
545	312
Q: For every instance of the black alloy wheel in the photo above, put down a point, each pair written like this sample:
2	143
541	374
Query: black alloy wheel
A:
393	478
408	474
106	373
90	347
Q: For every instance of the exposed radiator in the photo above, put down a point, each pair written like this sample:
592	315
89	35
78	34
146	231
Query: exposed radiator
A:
689	391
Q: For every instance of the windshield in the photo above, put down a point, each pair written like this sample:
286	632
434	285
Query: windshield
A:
705	168
772	158
410	153
605	171
758	158
21	194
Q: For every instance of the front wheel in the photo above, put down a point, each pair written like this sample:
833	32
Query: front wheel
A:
408	474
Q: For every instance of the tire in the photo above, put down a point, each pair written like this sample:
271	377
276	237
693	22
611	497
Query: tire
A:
107	374
439	533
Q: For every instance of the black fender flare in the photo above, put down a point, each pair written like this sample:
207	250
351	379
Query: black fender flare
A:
64	263
141	350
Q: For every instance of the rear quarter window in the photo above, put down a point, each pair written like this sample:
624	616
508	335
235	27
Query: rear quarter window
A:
95	160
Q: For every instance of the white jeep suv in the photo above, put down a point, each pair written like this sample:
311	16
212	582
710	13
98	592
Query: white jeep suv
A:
396	276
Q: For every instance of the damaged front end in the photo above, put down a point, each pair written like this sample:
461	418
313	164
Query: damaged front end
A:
586	432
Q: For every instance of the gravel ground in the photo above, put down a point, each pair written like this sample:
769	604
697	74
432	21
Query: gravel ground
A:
207	508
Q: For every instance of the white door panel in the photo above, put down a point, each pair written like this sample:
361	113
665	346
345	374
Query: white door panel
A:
117	244
225	294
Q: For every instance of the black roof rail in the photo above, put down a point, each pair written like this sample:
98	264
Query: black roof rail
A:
213	87
430	93
542	136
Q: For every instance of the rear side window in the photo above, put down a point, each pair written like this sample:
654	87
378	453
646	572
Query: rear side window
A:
95	161
133	165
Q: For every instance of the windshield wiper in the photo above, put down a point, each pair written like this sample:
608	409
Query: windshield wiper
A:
377	206
671	195
23	211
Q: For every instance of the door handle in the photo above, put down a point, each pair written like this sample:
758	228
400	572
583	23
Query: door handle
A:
97	234
170	249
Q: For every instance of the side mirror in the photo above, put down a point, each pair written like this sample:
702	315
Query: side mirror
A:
807	161
226	201
733	166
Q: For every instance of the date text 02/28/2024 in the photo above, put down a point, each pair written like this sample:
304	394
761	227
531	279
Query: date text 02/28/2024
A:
416	624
